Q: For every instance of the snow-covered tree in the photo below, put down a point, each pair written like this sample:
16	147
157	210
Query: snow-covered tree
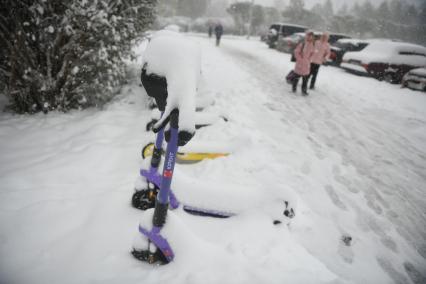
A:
367	10
240	12
383	11
396	10
192	8
327	9
67	54
343	10
356	10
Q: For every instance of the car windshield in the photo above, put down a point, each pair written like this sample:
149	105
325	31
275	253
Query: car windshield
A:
295	36
275	27
334	38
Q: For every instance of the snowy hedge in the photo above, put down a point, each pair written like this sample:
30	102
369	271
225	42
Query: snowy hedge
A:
66	54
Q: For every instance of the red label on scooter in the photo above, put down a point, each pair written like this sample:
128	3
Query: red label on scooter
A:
168	174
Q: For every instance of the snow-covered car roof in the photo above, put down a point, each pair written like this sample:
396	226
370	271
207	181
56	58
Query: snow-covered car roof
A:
390	52
286	24
356	41
418	71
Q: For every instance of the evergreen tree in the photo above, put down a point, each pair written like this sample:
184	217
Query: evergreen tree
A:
240	12
383	11
343	10
356	10
167	8
217	8
272	14
327	9
192	8
295	11
422	15
258	16
410	14
67	54
396	11
297	5
367	10
279	4
317	9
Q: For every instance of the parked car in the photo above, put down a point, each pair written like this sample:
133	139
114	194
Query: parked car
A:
415	79
288	44
339	48
386	60
334	37
279	30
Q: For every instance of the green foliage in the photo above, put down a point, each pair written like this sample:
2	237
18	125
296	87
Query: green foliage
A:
67	54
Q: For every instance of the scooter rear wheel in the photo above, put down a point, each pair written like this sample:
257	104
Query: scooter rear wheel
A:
147	150
151	258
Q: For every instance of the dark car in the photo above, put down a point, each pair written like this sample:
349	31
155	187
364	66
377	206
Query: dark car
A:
280	30
334	37
386	60
339	48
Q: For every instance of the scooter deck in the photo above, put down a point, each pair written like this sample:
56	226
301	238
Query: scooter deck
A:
184	157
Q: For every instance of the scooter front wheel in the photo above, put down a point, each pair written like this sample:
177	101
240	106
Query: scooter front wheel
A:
144	199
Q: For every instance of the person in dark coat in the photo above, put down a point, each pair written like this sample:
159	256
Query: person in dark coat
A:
210	31
218	30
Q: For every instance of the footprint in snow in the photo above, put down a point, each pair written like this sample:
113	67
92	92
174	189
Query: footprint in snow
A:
334	197
345	248
394	274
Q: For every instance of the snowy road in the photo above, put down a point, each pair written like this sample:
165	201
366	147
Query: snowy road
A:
352	155
383	141
378	131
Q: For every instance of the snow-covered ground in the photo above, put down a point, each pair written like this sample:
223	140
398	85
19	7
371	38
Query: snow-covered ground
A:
351	155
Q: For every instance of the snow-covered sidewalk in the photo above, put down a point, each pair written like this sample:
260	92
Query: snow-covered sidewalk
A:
352	155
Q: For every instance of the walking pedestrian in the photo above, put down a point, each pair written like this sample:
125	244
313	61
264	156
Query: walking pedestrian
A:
218	30
321	53
303	53
210	31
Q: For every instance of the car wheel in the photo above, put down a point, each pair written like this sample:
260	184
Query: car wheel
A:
389	77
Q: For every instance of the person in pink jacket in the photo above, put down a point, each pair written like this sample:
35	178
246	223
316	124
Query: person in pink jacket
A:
321	53
303	53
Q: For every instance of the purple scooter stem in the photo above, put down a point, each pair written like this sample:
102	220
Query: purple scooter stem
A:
162	202
154	177
152	174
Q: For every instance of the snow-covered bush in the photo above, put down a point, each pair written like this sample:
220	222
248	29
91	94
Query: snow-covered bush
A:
67	54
